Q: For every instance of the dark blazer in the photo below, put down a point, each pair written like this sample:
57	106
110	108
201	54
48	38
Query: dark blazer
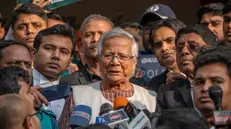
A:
174	95
81	77
157	81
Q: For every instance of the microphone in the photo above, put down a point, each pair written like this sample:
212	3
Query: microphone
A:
141	121
120	102
117	118
80	116
221	116
138	118
111	117
105	108
215	93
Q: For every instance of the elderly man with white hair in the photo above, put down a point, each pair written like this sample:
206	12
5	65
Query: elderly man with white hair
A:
118	52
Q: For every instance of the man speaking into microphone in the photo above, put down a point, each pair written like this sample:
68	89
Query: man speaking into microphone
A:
118	52
212	67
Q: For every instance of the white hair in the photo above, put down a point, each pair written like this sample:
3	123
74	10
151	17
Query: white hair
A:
118	32
94	17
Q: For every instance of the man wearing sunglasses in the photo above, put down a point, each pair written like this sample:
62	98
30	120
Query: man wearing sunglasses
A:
17	113
15	80
189	41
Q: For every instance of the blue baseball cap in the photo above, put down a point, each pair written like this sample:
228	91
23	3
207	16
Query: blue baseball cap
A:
159	11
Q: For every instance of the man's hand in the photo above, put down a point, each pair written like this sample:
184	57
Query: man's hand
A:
41	3
174	76
139	73
39	98
72	68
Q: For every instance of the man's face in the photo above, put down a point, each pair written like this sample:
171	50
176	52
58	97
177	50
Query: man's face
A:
227	26
53	55
187	47
205	77
117	70
27	27
146	31
164	46
91	35
53	22
24	92
16	55
214	23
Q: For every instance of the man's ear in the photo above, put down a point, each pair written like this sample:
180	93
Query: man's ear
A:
134	62
2	33
33	52
29	123
81	46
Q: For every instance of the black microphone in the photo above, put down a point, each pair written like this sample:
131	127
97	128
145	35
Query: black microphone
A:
215	93
131	110
105	108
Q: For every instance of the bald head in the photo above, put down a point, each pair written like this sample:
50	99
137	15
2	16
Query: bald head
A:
13	111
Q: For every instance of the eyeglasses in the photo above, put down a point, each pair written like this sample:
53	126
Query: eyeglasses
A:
120	57
38	113
195	47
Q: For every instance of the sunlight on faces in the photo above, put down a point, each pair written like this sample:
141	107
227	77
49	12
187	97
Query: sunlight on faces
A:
205	77
91	34
116	71
16	55
187	47
27	27
214	23
53	55
227	26
164	46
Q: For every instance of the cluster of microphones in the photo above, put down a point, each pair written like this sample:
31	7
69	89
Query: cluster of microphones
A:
124	115
130	115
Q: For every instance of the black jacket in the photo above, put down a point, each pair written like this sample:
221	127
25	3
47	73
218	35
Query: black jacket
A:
174	95
157	81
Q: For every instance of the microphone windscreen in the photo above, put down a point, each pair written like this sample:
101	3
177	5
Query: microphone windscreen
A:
215	93
105	108
120	102
80	116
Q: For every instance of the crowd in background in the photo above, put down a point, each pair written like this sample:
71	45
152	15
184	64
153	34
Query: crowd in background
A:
50	72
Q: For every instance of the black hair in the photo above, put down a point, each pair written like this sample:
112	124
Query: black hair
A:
208	36
181	118
130	24
98	126
56	16
212	8
6	43
63	30
171	23
28	9
227	8
218	54
10	77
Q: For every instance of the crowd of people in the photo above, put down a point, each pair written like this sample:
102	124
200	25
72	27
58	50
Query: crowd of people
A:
55	77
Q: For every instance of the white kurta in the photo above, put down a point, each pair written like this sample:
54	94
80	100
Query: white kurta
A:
92	96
